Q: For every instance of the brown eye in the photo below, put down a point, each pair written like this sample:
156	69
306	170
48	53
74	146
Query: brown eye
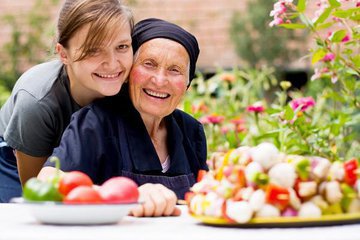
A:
123	47
93	51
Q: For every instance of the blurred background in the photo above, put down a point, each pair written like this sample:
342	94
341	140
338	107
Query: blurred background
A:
231	33
247	73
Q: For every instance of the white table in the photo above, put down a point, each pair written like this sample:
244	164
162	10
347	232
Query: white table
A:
17	223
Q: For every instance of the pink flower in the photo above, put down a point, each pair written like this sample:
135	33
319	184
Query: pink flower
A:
276	21
279	12
200	108
240	128
213	118
328	57
319	73
225	129
304	103
279	9
322	5
239	124
346	38
228	77
237	121
256	107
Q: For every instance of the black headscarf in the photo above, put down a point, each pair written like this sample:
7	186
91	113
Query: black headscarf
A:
151	28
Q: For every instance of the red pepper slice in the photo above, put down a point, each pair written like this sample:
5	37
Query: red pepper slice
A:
350	168
277	196
201	174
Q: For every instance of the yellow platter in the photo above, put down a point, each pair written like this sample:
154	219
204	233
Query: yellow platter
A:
326	220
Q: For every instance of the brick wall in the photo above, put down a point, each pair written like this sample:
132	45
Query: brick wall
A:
208	20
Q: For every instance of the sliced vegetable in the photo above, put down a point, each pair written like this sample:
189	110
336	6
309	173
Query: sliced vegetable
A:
303	169
278	196
350	168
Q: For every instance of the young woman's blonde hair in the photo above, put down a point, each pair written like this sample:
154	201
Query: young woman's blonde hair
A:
102	15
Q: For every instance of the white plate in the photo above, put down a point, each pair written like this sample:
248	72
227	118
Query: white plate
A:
76	214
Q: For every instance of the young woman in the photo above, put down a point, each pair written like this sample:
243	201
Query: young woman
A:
95	57
139	133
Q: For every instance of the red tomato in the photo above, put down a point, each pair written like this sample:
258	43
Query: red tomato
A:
71	180
83	195
278	196
119	190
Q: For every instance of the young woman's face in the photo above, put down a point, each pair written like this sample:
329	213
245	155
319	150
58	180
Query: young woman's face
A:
104	71
159	77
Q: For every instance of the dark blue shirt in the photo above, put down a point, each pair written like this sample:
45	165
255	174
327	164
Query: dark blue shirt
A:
109	137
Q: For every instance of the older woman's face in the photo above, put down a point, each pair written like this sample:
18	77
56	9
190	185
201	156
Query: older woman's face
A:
159	77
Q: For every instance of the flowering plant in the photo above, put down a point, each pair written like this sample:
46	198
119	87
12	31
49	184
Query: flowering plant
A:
240	108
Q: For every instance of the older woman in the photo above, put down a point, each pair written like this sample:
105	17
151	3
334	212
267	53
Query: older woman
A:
139	133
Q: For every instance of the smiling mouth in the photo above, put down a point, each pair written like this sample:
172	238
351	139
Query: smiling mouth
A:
156	94
108	76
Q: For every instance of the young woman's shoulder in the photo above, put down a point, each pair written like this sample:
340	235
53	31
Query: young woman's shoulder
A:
39	79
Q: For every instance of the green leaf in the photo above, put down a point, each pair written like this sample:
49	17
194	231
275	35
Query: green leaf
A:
334	3
318	55
355	17
323	16
351	71
356	60
289	113
335	129
301	6
293	25
324	25
338	36
353	12
187	106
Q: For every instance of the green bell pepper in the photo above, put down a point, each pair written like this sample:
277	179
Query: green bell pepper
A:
37	190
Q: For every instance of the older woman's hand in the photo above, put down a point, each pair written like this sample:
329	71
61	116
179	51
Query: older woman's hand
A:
157	201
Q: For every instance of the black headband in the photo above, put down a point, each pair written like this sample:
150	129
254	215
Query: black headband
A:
151	28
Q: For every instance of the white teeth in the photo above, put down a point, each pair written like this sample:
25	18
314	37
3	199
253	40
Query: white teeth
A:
156	94
108	75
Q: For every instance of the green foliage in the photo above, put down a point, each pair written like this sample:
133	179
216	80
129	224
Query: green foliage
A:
30	36
256	43
323	119
4	94
329	128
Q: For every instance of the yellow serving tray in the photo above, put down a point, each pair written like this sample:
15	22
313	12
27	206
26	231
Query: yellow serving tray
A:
326	220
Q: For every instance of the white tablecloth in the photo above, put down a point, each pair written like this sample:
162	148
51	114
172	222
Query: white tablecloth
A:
17	223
